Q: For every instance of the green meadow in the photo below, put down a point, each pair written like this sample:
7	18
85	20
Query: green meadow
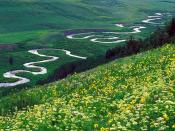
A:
134	92
34	24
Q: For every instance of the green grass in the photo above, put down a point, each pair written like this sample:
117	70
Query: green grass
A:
41	24
22	36
132	93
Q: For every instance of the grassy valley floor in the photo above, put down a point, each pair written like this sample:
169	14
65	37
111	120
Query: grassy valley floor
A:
133	93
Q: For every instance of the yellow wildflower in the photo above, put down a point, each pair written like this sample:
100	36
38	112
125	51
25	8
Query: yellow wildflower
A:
142	100
104	129
165	116
133	101
95	125
173	126
109	114
173	59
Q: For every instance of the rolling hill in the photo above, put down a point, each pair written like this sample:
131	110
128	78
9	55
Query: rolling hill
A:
133	93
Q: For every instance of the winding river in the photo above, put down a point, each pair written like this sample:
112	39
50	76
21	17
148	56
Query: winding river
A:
114	37
41	70
100	37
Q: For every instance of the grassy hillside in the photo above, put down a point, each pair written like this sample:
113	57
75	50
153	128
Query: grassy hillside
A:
30	24
33	15
133	93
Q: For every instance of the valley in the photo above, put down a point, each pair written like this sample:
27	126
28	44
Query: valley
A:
104	29
105	37
87	65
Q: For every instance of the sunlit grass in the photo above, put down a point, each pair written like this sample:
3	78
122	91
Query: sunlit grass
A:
134	93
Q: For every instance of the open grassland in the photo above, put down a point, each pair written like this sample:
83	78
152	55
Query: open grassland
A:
22	15
25	20
133	93
41	24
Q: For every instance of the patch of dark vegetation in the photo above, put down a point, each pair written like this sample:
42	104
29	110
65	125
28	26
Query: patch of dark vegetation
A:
53	37
171	28
7	47
8	60
76	31
147	11
167	1
51	26
107	3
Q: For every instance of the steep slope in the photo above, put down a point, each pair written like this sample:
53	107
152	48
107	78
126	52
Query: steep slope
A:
133	93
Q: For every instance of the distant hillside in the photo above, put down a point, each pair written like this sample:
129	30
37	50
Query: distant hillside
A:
133	93
30	15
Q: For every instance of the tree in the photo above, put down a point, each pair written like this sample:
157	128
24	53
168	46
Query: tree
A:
133	46
11	60
171	28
